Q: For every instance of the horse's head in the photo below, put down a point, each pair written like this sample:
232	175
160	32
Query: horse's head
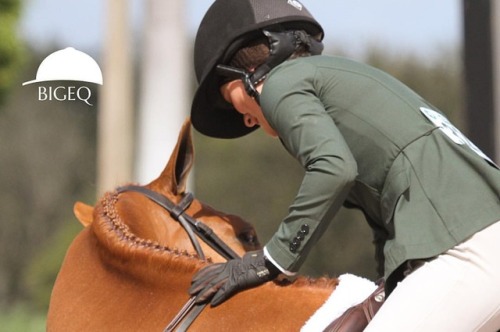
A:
144	220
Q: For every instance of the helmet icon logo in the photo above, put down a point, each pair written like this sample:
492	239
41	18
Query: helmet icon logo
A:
68	64
296	4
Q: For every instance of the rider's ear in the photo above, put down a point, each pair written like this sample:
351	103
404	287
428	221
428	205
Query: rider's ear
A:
174	177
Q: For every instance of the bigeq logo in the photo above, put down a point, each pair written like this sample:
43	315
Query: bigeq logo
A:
68	64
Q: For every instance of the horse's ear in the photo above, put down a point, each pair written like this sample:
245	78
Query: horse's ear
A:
174	176
83	213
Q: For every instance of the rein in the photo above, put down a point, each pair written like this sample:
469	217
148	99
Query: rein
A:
193	227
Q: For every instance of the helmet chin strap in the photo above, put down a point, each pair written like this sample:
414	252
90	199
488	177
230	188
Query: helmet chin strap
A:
281	47
234	73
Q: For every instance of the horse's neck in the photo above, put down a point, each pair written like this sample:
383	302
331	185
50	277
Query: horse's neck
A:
103	291
148	298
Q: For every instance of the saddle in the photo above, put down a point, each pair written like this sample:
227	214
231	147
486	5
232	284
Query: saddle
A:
356	318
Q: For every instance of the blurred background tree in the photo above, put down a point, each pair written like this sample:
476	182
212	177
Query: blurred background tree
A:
47	163
10	45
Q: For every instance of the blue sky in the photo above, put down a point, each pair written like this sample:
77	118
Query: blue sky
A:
418	26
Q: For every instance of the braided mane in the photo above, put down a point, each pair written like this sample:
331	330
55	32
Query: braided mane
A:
118	241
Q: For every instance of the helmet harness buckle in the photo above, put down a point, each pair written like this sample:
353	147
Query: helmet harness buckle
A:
234	73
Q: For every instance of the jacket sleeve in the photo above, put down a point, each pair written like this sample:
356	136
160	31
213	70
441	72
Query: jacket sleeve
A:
291	103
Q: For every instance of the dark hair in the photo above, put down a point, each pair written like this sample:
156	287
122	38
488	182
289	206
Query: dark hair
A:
257	51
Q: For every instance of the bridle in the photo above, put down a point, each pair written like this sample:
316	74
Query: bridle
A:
193	228
190	224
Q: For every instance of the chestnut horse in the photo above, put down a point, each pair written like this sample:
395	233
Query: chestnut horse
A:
131	266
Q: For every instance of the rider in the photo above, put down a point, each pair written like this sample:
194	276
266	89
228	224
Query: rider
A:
366	141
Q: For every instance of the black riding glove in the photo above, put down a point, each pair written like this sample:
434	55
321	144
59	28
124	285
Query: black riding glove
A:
220	281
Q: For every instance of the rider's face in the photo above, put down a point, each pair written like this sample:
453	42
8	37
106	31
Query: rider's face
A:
234	93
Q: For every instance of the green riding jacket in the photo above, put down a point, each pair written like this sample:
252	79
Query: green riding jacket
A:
367	141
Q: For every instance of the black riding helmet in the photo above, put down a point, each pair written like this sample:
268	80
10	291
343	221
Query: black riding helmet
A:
227	26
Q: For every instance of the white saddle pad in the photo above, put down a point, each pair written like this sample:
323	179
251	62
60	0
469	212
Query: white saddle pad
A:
351	290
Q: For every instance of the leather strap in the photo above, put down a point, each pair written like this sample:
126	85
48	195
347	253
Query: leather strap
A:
194	313
190	224
356	318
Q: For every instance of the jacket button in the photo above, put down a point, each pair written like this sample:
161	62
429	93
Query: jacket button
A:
304	229
296	241
293	247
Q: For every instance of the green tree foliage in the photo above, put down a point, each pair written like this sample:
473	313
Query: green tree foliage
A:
43	266
48	162
10	46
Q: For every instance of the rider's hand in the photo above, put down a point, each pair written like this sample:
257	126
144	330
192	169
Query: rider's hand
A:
220	281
